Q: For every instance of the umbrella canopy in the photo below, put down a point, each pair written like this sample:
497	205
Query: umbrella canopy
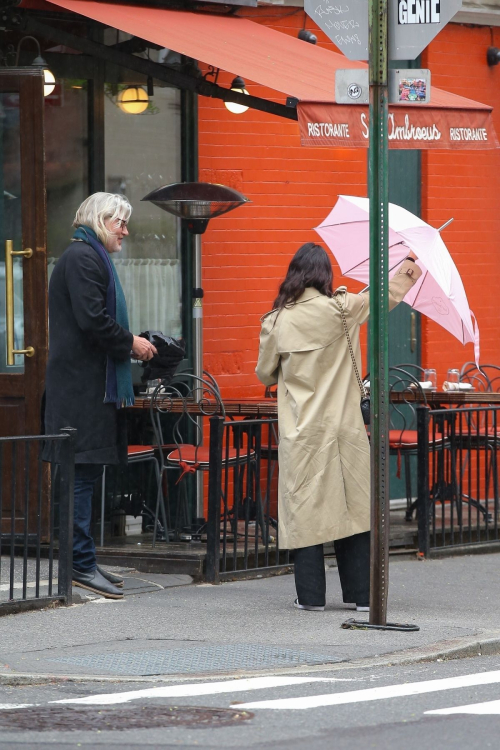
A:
439	293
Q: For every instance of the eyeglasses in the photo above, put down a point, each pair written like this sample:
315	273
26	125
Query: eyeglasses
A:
121	223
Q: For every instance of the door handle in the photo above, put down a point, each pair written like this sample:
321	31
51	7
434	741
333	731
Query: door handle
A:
413	332
9	301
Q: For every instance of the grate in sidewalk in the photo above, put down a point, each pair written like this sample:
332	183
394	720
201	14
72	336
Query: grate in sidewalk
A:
196	660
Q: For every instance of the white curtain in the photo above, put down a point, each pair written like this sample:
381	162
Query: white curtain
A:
152	288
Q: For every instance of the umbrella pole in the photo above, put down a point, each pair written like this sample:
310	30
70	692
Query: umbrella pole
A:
378	193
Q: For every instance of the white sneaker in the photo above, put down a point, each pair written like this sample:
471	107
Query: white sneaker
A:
309	607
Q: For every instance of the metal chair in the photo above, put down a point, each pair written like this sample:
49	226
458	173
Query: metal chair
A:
403	437
186	398
140	454
481	433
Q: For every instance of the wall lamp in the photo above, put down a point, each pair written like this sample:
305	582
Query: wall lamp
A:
49	82
493	55
237	85
307	36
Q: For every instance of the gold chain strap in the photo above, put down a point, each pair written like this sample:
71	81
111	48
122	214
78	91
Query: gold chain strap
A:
349	344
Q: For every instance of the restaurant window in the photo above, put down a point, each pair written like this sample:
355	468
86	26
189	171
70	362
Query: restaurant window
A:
66	161
142	152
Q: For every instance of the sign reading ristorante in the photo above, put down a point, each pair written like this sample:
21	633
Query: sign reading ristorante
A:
346	126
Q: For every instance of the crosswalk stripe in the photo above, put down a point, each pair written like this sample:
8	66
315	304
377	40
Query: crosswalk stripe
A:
208	688
10	706
379	693
489	707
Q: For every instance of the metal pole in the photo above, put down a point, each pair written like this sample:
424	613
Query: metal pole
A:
66	510
198	355
378	193
212	572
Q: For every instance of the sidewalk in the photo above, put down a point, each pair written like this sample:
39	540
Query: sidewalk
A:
168	628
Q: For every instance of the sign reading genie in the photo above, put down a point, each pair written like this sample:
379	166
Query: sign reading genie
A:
419	11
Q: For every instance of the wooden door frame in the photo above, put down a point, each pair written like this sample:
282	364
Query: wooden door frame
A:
29	386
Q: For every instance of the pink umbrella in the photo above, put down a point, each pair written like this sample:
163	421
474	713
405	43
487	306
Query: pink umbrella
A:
439	293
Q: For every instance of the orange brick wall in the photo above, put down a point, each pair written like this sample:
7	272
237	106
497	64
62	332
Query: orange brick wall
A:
246	253
466	185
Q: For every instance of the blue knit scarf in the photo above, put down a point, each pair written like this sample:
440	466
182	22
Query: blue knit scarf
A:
119	388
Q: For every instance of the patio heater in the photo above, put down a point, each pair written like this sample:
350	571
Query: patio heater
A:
196	203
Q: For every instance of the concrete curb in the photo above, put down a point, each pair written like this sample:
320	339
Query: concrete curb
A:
485	644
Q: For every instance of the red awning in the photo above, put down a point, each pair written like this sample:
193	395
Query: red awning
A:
304	71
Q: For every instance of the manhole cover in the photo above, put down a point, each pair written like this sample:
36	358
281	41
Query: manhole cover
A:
228	658
67	719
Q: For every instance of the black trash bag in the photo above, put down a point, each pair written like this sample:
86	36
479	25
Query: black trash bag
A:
163	365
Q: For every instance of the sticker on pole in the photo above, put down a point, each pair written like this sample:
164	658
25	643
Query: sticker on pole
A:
412	24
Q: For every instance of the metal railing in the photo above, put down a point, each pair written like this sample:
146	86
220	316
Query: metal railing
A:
242	527
458	480
30	490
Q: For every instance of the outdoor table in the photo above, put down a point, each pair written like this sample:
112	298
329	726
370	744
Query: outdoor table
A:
255	406
242	407
440	399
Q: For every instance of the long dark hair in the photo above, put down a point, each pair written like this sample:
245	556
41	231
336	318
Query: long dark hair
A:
310	266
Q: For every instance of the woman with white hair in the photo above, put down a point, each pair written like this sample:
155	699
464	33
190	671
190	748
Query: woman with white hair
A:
89	379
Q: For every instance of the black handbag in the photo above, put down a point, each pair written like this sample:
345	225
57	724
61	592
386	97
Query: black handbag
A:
365	399
164	364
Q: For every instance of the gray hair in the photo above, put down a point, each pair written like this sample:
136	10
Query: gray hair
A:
99	207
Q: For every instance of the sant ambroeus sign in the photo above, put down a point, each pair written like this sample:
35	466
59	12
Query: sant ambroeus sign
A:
346	126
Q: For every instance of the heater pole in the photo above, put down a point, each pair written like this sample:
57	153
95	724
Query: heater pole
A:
198	355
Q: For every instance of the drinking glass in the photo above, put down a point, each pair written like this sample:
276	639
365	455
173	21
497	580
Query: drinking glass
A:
430	375
151	386
453	376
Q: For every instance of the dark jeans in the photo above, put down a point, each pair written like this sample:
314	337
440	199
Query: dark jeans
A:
353	561
86	475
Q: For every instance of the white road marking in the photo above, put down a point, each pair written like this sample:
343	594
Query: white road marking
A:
490	707
204	688
7	706
379	693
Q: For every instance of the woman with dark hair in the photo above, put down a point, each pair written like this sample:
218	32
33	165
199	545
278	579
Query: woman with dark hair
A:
324	455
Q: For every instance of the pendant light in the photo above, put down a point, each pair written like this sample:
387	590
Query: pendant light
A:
237	85
133	100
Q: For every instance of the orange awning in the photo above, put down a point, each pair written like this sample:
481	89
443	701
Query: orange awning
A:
304	71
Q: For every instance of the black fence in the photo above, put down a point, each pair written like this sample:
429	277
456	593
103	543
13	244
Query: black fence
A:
30	489
242	528
458	480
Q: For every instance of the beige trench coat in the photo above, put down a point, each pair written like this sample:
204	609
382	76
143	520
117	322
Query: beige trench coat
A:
324	480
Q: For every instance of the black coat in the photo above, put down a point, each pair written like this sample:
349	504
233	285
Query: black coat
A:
81	335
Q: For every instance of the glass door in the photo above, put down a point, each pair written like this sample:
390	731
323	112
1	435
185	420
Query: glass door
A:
23	293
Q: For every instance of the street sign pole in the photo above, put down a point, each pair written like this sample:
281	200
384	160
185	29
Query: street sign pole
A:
378	193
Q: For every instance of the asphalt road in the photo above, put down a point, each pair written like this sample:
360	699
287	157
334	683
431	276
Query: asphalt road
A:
379	707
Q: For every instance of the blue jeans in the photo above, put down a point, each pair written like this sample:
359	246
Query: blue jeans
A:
86	475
